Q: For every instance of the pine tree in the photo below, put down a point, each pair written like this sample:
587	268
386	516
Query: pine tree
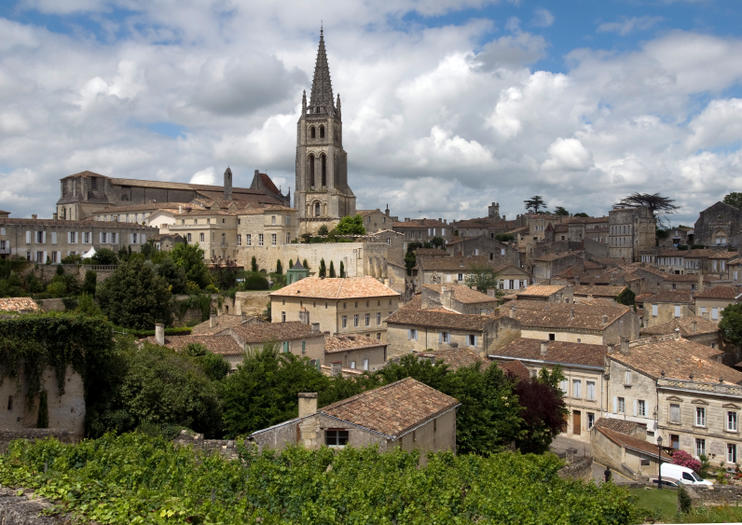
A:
342	269
253	264
322	268
279	267
332	269
305	264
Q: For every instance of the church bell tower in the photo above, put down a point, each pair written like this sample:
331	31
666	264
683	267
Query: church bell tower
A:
323	196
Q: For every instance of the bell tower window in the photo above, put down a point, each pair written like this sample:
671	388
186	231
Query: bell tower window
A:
316	209
312	132
321	132
310	169
323	163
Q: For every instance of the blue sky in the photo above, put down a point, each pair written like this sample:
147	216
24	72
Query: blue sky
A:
447	105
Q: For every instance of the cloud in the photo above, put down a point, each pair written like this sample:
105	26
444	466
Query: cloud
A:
542	18
515	50
625	25
718	125
567	154
204	176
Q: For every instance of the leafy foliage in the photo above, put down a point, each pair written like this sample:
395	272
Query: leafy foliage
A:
626	297
483	279
730	325
680	457
134	479
535	204
332	269
322	268
543	410
654	201
135	296
733	199
191	258
350	225
560	210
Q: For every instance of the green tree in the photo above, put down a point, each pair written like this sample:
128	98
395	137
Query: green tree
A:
438	242
733	199
256	281
626	297
86	305
350	225
581	214
730	325
291	264
322	268
173	274
263	391
253	264
279	267
560	210
305	264
104	256
535	204
90	282
191	258
332	269
482	279
342	269
322	230
135	296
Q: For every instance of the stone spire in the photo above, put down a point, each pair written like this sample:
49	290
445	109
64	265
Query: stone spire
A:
321	85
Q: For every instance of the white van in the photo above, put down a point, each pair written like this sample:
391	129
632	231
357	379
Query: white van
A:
683	475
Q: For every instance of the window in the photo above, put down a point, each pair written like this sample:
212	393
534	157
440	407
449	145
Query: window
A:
654	310
460	277
677	311
248	239
274	239
283	317
303	347
188	237
353	365
731	421
365	364
590	390
285	347
412	334
641	408
731	453
260	239
590	420
378	318
273	219
368	319
576	388
715	314
472	340
552	337
700	416
355	319
674	413
336	438
10	402
201	237
620	405
563	386
700	447
627	378
239	239
345	321
445	337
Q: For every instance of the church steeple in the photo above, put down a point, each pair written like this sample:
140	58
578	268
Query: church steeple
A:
321	100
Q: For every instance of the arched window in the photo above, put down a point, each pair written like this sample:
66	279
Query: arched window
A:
321	132
310	169
323	159
316	209
311	132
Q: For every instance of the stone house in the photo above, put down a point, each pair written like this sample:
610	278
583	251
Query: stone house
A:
719	225
597	291
598	322
623	446
706	261
405	414
415	329
663	307
583	367
456	269
222	344
549	265
457	298
49	241
376	220
550	293
422	230
631	231
212	230
355	352
594	229
710	302
693	328
354	305
735	270
486	245
293	337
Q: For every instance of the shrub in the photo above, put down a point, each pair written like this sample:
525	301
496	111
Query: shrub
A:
684	501
681	457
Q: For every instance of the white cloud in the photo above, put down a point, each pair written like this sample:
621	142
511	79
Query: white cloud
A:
204	176
542	18
720	124
567	154
628	25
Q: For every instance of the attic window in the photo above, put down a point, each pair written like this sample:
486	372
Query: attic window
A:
336	437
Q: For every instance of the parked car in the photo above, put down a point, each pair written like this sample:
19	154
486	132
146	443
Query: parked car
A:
683	475
666	483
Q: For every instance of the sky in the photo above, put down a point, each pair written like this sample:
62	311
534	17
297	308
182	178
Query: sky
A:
448	105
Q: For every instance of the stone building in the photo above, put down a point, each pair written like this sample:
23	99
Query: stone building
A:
710	302
457	298
719	225
358	305
322	194
693	328
377	220
422	230
631	231
354	352
405	414
662	307
49	240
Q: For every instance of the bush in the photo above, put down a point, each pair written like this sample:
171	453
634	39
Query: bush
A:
681	457
684	501
255	281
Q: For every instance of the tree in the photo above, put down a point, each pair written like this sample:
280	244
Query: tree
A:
535	204
191	258
543	410
733	199
438	242
104	256
322	230
173	274
322	268
342	269
253	264
626	297
291	264
134	296
332	269
730	325
581	214
350	226
654	201
482	279
559	210
305	264
89	283
279	267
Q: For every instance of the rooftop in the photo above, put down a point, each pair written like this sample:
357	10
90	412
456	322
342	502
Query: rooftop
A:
462	293
18	304
541	290
688	326
392	409
273	332
732	293
440	318
336	288
576	316
632	443
560	352
343	343
216	344
599	290
455	358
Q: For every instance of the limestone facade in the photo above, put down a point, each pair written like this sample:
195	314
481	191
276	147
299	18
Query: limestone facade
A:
631	231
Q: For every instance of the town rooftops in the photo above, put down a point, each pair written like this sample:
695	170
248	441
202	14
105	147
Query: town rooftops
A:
336	288
462	293
632	443
556	352
218	323
540	290
731	293
577	316
420	223
515	369
549	257
676	358
687	326
455	358
343	343
273	332
216	344
394	409
440	318
599	290
18	304
454	263
667	296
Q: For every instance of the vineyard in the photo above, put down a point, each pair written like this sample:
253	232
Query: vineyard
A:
133	478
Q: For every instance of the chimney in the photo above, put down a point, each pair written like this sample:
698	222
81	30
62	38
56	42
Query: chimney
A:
160	334
228	184
34	216
624	348
307	403
605	318
543	347
677	334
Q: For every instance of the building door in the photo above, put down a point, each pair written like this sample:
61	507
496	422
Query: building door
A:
576	422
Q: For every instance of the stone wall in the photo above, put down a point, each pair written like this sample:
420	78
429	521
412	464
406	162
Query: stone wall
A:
25	509
6	436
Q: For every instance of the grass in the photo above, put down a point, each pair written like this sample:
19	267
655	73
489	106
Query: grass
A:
661	506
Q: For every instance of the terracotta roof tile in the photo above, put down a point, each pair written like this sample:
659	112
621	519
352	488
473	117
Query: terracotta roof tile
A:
688	326
336	288
217	344
540	290
220	322
454	263
599	290
18	304
676	296
720	292
273	332
343	343
581	316
556	352
455	358
392	409
439	318
462	293
620	425
632	443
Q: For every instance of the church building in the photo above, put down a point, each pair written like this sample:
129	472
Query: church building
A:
322	195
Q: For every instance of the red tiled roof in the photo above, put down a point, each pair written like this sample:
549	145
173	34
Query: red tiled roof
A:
676	296
462	293
540	290
455	358
632	443
343	343
273	332
580	316
216	344
392	409
720	292
18	304
688	326
336	288
556	352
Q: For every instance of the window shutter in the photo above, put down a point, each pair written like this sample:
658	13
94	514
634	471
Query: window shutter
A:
636	408
43	237
54	237
44	261
615	405
144	238
440	338
28	237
